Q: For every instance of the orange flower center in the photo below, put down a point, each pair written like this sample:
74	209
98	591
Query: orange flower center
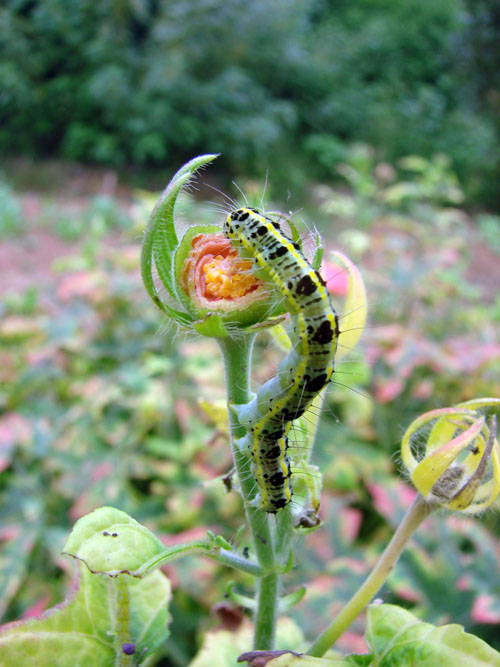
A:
228	277
217	276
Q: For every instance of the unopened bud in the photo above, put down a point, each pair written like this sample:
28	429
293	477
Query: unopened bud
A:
455	464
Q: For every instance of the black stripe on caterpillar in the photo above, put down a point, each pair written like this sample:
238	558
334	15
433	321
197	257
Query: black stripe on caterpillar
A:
308	367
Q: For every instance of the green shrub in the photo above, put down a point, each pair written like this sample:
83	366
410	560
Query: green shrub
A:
152	82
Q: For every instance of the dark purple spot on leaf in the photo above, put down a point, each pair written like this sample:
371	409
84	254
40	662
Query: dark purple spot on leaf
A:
128	649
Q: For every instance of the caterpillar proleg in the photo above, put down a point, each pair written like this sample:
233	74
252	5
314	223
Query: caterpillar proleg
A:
307	368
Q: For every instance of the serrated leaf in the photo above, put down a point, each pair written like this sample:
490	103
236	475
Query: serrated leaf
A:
109	541
80	632
399	638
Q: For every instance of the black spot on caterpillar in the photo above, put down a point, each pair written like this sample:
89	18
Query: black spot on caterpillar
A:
304	371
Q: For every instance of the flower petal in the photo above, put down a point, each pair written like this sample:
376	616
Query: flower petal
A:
354	318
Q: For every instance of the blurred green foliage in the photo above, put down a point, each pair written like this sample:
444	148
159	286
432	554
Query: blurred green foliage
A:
286	87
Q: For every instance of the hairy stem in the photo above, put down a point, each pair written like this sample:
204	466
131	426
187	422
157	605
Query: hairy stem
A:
205	548
236	353
417	512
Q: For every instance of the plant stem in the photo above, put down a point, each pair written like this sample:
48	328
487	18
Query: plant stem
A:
236	353
122	620
205	548
417	512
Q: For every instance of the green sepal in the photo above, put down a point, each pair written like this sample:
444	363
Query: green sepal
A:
296	237
160	238
318	252
269	323
179	316
212	325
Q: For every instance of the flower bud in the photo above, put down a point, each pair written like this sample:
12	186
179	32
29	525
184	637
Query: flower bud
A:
216	282
207	286
452	456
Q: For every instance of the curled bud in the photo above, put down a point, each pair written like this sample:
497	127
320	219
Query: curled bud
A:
452	456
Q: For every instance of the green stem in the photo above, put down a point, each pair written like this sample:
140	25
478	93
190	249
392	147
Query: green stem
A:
205	548
266	614
122	620
417	512
236	353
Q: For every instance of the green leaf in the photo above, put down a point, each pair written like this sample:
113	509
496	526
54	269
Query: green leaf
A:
399	638
81	631
109	541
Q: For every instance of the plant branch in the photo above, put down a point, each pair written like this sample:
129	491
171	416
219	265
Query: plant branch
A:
204	548
417	512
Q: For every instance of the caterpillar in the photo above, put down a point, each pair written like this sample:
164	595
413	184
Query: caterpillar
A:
307	368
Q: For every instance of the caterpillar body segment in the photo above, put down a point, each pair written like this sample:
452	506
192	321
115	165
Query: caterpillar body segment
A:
307	368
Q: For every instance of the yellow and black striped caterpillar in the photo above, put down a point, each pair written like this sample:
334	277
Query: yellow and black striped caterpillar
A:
304	371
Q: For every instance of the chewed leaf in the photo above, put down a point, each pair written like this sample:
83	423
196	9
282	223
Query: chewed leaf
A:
353	320
81	630
222	647
399	638
109	541
289	659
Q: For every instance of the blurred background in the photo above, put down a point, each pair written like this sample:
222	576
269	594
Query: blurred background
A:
378	121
